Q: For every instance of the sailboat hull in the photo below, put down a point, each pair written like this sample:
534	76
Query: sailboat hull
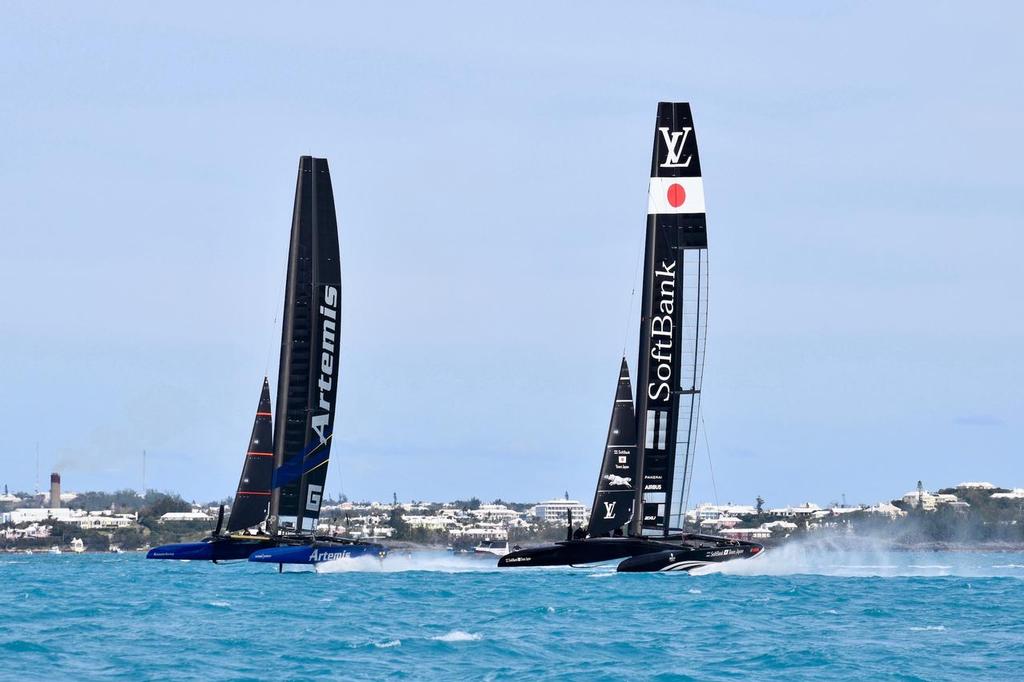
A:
582	552
318	552
228	549
686	557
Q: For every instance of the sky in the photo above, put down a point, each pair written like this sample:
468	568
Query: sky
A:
865	203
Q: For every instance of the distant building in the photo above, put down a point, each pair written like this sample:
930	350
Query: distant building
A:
557	511
976	485
920	498
103	519
886	509
35	515
747	533
1015	494
780	526
805	510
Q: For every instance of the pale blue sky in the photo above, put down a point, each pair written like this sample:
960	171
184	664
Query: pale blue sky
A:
865	201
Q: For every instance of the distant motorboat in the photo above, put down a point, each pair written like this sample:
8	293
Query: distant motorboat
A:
77	546
55	550
497	548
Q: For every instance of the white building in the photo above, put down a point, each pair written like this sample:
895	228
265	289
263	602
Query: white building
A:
747	533
104	519
780	526
976	485
481	532
923	499
1015	494
439	522
557	511
497	512
805	510
886	509
35	515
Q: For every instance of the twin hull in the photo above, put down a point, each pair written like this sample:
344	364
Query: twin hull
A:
318	552
638	554
267	551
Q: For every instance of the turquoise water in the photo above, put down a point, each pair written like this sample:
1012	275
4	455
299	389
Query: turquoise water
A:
799	614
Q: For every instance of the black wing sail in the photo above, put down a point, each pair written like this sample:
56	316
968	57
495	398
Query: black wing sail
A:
307	388
673	320
252	499
613	501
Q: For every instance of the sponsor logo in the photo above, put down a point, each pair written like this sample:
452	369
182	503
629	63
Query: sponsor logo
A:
518	559
725	552
327	555
313	497
618	480
674	144
622	459
659	380
328	353
609	510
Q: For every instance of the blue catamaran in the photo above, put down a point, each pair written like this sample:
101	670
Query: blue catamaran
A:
277	506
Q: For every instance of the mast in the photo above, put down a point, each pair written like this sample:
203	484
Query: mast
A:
613	499
307	386
673	318
252	498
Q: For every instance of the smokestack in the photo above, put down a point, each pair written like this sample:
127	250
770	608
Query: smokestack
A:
54	490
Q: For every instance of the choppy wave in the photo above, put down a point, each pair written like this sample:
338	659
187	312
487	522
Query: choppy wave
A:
922	614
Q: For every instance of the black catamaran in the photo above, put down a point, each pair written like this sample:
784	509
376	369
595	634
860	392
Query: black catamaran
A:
282	488
640	503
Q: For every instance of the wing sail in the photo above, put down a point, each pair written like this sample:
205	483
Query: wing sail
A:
307	388
673	320
613	500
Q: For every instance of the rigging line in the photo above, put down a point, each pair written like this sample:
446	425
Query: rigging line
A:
636	270
707	449
270	348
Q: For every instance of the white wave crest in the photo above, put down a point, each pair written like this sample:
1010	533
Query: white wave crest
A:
457	636
929	628
391	643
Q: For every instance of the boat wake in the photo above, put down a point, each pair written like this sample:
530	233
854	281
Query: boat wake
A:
868	559
401	563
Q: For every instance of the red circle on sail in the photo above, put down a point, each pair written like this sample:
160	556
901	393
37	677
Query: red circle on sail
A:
676	195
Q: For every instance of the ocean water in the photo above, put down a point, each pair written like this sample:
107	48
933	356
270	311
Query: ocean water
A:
796	613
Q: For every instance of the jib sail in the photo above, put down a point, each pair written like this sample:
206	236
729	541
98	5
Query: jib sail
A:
673	320
307	388
613	501
252	499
